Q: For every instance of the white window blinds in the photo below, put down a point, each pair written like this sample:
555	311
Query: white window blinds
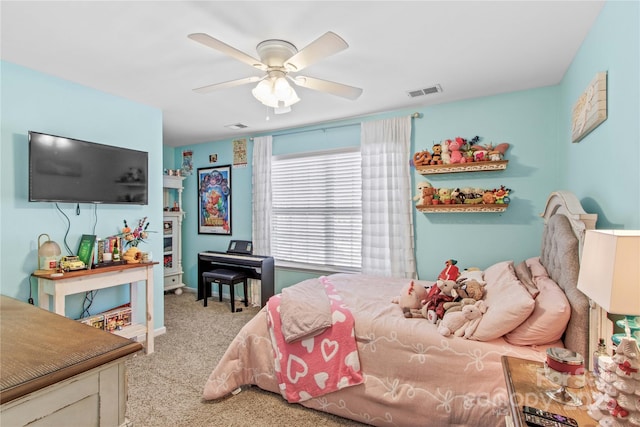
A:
317	210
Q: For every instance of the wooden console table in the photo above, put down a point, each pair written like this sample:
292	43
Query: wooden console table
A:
75	282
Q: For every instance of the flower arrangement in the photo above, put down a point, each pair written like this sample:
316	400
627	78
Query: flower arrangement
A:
134	236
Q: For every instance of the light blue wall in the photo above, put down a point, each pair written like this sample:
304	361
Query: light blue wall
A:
604	168
527	120
35	101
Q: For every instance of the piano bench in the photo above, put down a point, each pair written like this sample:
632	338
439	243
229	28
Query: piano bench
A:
231	278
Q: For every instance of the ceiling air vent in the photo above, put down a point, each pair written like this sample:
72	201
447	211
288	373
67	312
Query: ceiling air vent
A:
237	126
425	91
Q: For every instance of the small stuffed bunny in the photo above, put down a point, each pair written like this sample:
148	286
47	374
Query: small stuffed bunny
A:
462	323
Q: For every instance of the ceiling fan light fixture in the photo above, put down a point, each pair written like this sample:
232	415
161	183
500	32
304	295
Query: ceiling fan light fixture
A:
282	89
275	92
262	90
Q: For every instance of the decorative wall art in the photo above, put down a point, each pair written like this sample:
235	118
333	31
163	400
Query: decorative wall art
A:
591	108
214	200
240	153
187	163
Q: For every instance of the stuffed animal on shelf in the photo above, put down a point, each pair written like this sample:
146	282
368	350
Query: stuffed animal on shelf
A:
498	152
488	197
502	195
425	193
446	154
436	157
445	195
456	196
439	294
411	299
462	323
450	271
422	158
454	147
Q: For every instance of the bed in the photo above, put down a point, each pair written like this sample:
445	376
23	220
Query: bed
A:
411	373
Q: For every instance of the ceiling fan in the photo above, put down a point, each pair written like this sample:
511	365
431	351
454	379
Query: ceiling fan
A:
281	60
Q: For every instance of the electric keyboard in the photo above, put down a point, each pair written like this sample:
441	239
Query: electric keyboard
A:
254	266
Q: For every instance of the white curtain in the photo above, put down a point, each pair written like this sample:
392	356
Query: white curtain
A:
387	222
261	225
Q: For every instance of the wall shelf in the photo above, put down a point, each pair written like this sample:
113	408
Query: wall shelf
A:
463	167
461	208
172	235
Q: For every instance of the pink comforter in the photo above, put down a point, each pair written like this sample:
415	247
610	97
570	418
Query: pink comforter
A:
412	374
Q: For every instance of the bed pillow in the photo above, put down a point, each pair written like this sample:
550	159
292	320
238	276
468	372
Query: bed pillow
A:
548	320
499	272
526	278
508	303
536	268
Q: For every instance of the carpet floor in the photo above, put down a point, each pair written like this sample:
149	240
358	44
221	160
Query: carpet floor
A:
165	387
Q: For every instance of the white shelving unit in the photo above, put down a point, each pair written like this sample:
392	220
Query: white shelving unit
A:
172	234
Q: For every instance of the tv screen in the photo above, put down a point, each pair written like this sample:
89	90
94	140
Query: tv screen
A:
70	170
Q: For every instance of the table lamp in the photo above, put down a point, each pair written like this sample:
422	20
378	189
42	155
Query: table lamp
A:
48	253
610	275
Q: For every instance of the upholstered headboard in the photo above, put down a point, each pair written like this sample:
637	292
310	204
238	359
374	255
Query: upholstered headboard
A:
562	240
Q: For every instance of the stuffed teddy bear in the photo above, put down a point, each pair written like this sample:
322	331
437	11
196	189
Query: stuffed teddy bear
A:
425	193
411	298
462	323
439	294
436	157
467	292
470	289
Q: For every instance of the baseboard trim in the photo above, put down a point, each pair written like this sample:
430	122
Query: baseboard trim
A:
156	333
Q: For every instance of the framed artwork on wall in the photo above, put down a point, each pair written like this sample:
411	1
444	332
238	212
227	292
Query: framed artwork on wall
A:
590	110
214	200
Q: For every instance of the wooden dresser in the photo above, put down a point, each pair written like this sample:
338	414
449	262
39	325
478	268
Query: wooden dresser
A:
57	371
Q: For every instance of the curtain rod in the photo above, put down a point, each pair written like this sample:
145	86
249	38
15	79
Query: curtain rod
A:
415	115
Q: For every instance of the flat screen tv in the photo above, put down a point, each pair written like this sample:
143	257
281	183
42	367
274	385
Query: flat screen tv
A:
74	171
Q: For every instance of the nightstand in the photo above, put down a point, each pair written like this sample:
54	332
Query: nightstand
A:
526	385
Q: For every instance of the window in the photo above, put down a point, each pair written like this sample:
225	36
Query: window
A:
317	210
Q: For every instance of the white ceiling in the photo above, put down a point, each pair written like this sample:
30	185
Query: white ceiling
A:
139	50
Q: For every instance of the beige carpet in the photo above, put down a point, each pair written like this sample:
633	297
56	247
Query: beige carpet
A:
165	387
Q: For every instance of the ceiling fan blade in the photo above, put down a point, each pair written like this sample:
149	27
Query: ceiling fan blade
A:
339	89
224	85
216	44
325	45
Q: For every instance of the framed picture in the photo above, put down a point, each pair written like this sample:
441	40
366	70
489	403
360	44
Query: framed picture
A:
590	110
214	200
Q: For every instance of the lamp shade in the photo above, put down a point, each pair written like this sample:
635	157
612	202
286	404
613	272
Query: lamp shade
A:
48	253
610	270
